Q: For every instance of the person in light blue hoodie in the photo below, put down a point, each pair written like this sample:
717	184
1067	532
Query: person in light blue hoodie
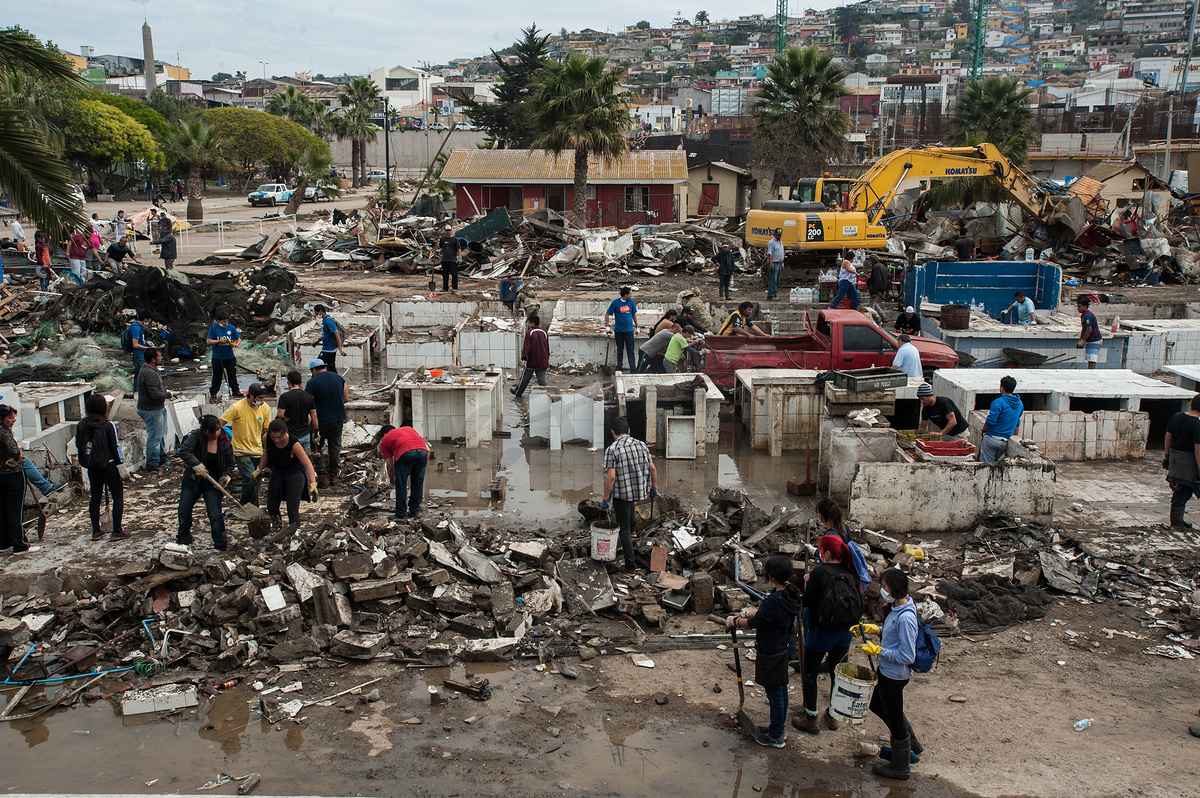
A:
897	651
1003	419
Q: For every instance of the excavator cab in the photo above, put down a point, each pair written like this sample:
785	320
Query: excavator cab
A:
833	193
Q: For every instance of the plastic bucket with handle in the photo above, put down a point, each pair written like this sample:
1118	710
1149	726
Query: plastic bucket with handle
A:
852	688
604	540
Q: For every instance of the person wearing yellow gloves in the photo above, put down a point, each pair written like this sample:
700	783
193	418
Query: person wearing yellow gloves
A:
897	651
292	473
205	451
832	603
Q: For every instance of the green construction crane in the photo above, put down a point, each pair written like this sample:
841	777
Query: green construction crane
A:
781	21
978	36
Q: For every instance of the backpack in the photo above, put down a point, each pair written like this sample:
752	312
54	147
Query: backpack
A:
929	648
91	442
842	606
127	340
340	330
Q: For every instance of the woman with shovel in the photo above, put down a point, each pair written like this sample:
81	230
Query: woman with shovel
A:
204	451
775	641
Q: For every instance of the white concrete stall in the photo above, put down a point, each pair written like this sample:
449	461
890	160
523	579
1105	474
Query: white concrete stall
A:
42	405
1157	343
577	334
364	340
650	400
571	416
1187	376
467	407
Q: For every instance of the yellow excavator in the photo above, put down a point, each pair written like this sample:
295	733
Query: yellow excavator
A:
830	213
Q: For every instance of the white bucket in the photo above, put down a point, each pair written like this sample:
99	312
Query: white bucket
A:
852	688
604	541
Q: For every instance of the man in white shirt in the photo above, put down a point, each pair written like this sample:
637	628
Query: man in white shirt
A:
775	262
18	234
908	359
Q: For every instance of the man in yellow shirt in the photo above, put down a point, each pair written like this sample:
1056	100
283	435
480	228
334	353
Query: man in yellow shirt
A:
249	418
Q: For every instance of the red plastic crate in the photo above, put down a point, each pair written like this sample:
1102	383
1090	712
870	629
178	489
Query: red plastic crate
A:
946	450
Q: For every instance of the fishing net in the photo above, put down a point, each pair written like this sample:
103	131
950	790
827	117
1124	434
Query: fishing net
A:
992	602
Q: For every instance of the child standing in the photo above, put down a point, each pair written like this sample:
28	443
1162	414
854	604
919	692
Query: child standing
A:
775	625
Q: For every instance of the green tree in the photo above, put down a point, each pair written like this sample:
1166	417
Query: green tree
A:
643	25
97	136
738	37
848	21
172	107
356	123
701	17
996	108
712	67
312	169
798	127
579	106
153	120
32	173
291	103
254	141
195	145
362	97
506	120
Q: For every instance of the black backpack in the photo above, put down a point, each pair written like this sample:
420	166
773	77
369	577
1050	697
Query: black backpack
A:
842	606
91	442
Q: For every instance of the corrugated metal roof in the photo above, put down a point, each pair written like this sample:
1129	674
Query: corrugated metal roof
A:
540	166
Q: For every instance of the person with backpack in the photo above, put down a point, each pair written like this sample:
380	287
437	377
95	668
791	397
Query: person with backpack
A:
833	603
774	623
207	450
223	337
99	452
897	651
133	342
831	517
332	338
12	487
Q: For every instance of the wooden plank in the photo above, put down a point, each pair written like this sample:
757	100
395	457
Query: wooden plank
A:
12	704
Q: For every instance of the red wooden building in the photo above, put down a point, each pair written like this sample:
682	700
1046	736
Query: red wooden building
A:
640	187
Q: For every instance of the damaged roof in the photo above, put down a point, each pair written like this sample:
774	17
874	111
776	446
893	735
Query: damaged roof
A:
541	166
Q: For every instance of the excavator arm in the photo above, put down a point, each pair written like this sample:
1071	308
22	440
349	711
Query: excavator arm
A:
876	189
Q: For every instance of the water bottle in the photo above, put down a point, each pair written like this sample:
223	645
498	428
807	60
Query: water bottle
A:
1028	253
1080	725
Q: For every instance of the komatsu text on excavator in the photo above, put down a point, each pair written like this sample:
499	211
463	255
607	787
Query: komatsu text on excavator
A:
831	213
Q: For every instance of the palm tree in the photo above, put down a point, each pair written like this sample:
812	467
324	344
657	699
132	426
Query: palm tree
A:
359	130
31	172
195	145
579	105
701	17
312	169
797	125
362	97
321	120
996	108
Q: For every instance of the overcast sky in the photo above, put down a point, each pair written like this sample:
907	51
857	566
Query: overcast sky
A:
334	37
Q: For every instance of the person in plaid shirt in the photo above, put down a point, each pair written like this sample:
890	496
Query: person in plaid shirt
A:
628	473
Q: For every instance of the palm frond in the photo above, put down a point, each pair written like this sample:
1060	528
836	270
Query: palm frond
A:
33	175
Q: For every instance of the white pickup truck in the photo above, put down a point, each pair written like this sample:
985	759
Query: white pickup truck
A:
270	194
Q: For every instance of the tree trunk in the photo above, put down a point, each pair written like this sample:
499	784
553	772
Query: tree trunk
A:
581	176
354	163
362	162
297	196
195	206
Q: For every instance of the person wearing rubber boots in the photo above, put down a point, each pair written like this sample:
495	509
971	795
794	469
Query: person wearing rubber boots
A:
897	650
629	474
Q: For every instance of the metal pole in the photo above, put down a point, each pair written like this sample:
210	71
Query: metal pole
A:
1180	86
387	163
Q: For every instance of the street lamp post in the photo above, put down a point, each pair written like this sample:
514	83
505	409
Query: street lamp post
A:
263	91
387	163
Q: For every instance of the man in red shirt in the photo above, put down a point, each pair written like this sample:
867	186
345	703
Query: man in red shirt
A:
406	454
536	354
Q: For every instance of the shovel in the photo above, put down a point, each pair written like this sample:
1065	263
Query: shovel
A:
743	718
242	512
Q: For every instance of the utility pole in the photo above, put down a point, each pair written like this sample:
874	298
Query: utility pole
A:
1180	88
387	162
781	21
978	38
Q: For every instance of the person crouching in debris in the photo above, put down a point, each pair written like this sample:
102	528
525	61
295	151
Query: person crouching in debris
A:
628	472
406	455
774	623
100	453
292	473
1183	453
832	604
897	650
205	451
1003	420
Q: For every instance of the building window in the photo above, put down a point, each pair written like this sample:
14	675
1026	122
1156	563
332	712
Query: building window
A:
637	199
402	84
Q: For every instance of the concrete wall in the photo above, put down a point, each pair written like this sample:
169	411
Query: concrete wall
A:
1073	435
482	349
842	448
1059	348
409	355
570	416
780	417
408	149
1162	344
934	498
430	314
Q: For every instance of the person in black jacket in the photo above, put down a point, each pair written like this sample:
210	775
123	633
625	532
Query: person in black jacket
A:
166	244
775	643
100	452
204	451
724	261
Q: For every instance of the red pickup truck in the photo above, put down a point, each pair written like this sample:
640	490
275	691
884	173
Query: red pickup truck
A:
841	339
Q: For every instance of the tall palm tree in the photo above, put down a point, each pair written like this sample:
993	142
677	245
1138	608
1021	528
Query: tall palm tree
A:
996	108
32	174
362	97
321	120
195	145
701	17
359	130
312	169
580	105
798	126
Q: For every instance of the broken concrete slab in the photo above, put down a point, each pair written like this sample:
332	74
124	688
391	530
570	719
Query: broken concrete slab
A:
303	581
357	646
158	699
369	589
496	649
588	583
352	566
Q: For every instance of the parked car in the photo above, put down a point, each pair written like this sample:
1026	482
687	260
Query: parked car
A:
375	174
439	126
270	194
315	194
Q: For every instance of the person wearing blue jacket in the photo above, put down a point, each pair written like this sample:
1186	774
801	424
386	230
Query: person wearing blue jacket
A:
1003	419
897	651
774	623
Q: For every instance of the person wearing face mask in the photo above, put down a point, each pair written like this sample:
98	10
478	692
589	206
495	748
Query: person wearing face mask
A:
897	650
248	418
